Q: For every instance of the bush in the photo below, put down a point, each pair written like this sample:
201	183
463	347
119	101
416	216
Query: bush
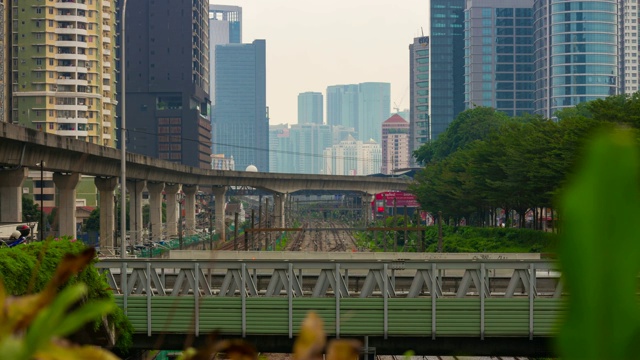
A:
28	268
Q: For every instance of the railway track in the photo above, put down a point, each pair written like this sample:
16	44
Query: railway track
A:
323	235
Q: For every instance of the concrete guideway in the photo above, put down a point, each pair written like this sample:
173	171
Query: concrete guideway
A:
473	312
22	148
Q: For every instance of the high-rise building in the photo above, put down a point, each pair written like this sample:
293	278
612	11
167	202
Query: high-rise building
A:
579	52
499	55
353	157
342	105
5	55
310	108
361	106
446	64
374	107
281	153
241	117
395	144
63	68
225	27
308	143
61	78
630	34
419	124
167	74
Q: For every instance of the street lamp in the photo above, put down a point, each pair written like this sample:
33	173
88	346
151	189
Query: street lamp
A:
123	146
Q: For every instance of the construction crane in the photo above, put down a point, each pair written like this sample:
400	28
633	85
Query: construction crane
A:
396	107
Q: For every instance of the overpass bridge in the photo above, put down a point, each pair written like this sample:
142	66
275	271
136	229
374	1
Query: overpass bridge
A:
22	148
479	313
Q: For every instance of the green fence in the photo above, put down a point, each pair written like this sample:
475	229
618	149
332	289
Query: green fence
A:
450	317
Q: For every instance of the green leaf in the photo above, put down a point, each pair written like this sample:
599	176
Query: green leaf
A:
600	252
45	324
88	312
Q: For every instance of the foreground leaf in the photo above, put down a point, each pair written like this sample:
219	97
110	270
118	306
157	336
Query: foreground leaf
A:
600	252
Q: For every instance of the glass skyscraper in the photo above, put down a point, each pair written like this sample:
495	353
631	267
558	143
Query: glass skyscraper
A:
374	107
577	52
342	105
240	116
446	63
363	106
310	109
225	27
499	55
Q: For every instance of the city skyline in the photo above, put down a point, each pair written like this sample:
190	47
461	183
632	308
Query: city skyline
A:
362	42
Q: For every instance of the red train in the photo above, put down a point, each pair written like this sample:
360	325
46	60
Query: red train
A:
385	202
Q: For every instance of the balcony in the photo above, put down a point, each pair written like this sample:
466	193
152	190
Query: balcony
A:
106	3
106	40
71	107
106	27
71	44
70	18
66	81
106	15
106	64
70	30
71	5
106	112
106	52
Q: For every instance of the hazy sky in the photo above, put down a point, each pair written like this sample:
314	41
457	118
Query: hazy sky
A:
314	44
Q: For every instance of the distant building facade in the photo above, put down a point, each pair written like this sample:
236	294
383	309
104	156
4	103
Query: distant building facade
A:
374	107
225	27
446	64
395	144
353	157
282	158
580	53
342	105
310	108
362	106
220	162
419	121
309	142
499	66
167	69
241	122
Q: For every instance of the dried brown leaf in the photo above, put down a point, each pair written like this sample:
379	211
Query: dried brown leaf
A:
347	349
311	340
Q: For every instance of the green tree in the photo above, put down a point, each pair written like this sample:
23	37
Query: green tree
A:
93	222
468	126
30	211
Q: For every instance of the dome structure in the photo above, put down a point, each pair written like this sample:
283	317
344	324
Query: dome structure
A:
251	168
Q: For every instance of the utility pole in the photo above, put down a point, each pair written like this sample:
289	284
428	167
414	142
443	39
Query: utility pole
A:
210	228
439	231
180	223
235	232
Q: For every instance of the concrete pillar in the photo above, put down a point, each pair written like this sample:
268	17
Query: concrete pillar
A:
279	200
11	194
219	193
155	209
190	208
66	185
366	207
170	191
106	186
135	187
